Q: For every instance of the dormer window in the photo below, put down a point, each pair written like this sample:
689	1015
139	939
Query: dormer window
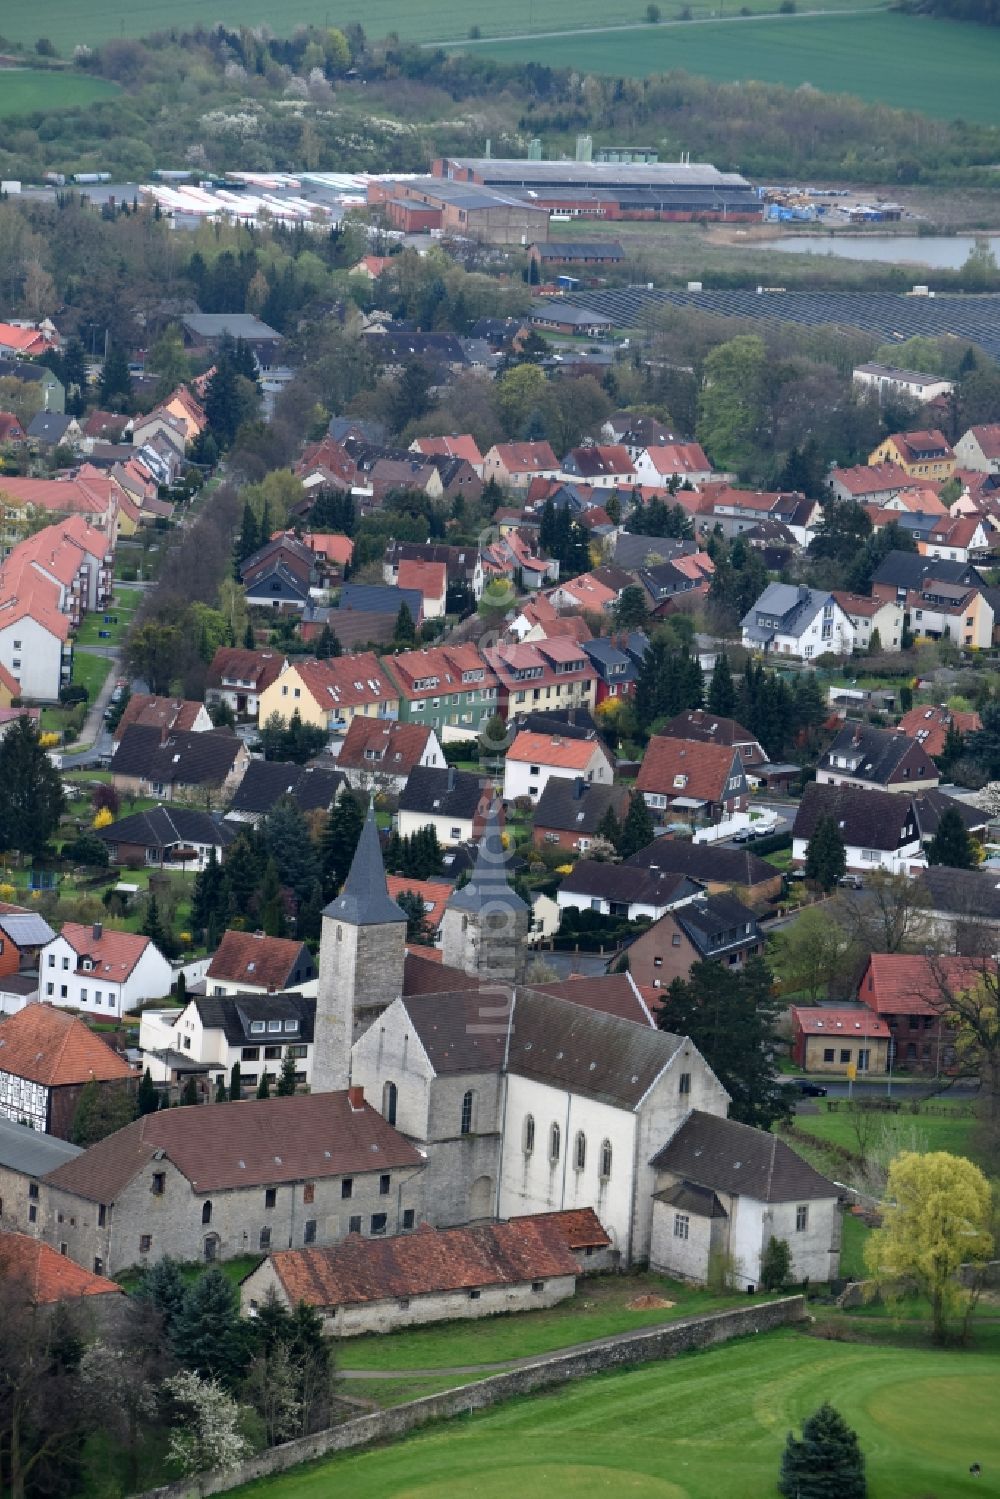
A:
257	1027
293	1025
680	781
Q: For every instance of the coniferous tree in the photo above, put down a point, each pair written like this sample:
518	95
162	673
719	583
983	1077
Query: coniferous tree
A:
207	1334
154	928
287	842
285	1087
147	1098
610	828
827	1463
826	857
221	1091
189	1093
235	1084
951	844
340	839
721	692
249	638
164	1287
637	831
116	382
33	800
405	632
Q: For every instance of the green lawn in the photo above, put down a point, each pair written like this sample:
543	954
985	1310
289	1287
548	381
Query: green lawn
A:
942	68
599	1309
708	1425
90	671
126	602
234	1270
24	90
931	1131
852	1248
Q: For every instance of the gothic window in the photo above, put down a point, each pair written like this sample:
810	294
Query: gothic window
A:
555	1143
389	1095
467	1113
529	1133
206	1212
605	1160
580	1151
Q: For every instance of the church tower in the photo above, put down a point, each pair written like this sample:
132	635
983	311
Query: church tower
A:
485	923
361	955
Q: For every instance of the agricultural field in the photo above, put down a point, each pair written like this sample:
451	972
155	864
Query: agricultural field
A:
67	22
708	1425
23	90
942	68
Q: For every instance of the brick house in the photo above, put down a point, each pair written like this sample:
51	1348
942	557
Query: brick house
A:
710	728
828	1039
47	1057
570	810
689	778
716	928
910	992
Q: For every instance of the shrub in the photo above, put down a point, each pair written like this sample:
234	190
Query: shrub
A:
652	14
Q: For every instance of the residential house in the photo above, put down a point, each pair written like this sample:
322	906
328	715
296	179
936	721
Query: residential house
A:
790	620
692	778
28	340
723	1190
52	392
877	623
433	895
329	694
544	674
831	1039
900	573
532	759
448	688
101	972
712	728
962	907
464	564
238	677
616	660
943	611
333	553
215	1032
280	575
878	828
450	801
23	934
376	598
253	963
736	511
626	891
930	726
388	475
430	581
456	446
379	756
709	928
172	837
570	811
35	645
979	449
921	455
312	788
206	1183
913	993
430	1275
885	380
25	1157
167	715
876	759
47	1057
514	464
204	331
931	805
663	463
590	591
12	433
603	465
720	870
635	431
869	484
960	538
53	429
48	1280
204	767
680	581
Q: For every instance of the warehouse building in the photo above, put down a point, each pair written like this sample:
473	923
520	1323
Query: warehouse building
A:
465	209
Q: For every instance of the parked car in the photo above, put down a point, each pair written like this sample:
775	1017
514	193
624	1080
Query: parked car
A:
851	882
806	1088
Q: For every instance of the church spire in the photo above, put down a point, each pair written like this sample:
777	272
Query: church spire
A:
365	898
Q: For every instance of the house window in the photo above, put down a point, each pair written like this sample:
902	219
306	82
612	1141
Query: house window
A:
309	1231
684	1083
265	1238
409	1217
681	1225
102	1215
474	1295
98	1266
309	1192
384	1183
159	1183
145	1243
250	1054
828	1054
354	1225
555	1143
580	1151
32	1214
801	1218
529	1134
845	1054
675	940
206	1212
379	1221
605	1160
33	1191
270	1196
467	1113
347	1188
390	1093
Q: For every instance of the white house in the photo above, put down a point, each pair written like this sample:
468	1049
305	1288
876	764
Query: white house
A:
658	464
214	1032
448	800
35	647
100	971
979	449
868	616
254	963
533	758
885	381
790	620
724	1190
879	828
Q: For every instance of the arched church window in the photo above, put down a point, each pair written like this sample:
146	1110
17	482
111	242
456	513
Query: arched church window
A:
389	1095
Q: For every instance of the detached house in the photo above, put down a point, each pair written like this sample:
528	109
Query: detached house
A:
252	963
205	766
870	617
711	728
912	993
879	828
930	726
603	465
790	620
710	928
534	758
570	811
979	449
659	463
102	972
378	756
213	1032
47	1057
515	464
921	455
238	677
452	802
880	759
692	779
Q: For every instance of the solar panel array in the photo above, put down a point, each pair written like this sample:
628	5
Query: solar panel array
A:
889	316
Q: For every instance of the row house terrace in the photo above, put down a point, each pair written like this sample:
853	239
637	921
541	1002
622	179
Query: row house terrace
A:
450	689
545	674
330	694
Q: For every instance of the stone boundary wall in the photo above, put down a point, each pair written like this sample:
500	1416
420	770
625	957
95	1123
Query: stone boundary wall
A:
621	1352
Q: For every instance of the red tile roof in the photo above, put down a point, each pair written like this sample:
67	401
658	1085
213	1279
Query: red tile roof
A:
49	1046
897	983
678	458
552	749
161	713
705	768
346	681
609	993
872	478
580	1227
114	954
988	438
430	1260
930	726
257	960
373	745
235	664
433	893
815	1020
429	578
526	457
47	1276
464	446
335	548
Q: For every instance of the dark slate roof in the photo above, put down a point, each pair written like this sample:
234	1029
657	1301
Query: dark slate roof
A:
578	249
633	551
701	861
427	790
931	805
963	892
605	655
911	569
697	723
690	1198
266	781
341	427
184	758
49	426
867	819
488	889
622	882
378	598
365	899
717	923
569	723
879	753
724	1156
161	827
30	1152
400	346
232	1014
586	1051
463	1030
234	324
573	805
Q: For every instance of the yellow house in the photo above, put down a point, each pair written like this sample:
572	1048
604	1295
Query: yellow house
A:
331	694
922	455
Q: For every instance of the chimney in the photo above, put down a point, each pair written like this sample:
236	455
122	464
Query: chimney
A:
356	1099
803	594
98	930
579	787
451	777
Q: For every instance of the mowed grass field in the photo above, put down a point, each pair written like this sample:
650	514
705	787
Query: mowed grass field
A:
707	1425
66	22
942	68
24	90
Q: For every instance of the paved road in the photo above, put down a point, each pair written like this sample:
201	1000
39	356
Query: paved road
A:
910	1090
534	36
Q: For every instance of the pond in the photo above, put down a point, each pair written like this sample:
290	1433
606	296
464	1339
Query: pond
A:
939	252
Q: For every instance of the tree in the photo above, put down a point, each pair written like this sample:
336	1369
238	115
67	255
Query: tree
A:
340	839
637	831
937	1216
826	1463
264	1086
417	927
890	915
631	610
209	896
287	842
731	405
207	1335
117	1384
951	843
101	1110
730	1016
33	800
235	1084
209	1436
155	929
776	1265
983	745
610	828
286	1078
405	632
164	1287
189	1093
812	955
826	857
169	362
41	1421
721	692
87	848
116	382
147	1099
